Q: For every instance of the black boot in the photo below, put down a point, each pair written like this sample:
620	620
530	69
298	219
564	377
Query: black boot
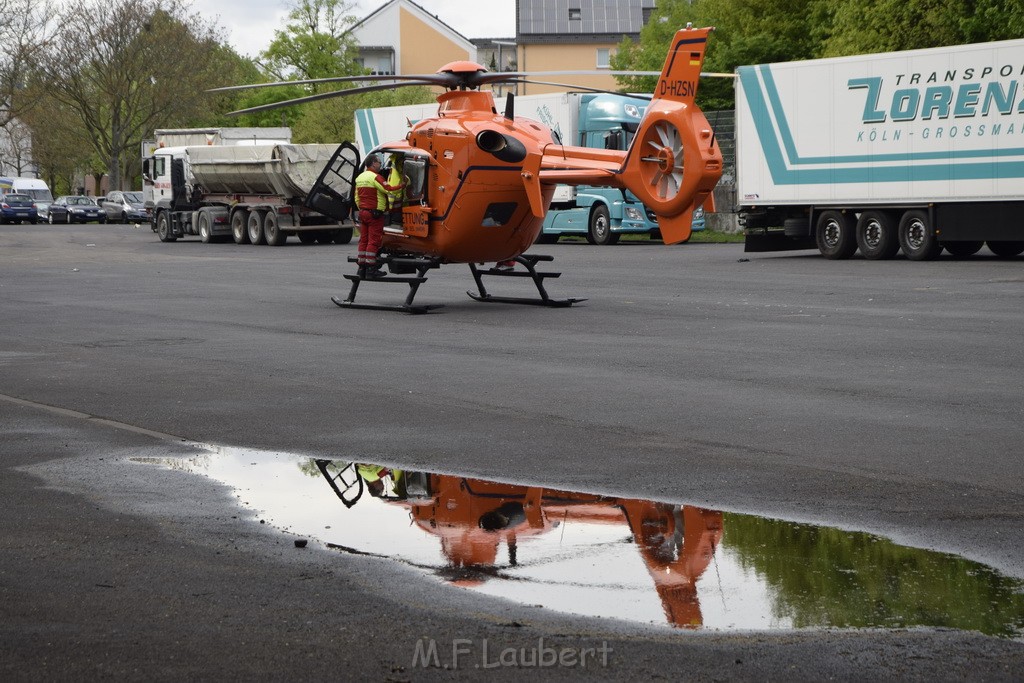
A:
374	273
361	272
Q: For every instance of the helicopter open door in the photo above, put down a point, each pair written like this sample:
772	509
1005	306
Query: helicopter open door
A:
332	193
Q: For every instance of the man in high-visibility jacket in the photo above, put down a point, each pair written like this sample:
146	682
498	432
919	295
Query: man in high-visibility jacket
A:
372	202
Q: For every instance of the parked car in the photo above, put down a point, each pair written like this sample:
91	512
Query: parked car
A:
75	209
124	207
17	208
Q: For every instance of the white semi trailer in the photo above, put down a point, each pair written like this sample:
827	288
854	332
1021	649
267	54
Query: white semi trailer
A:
914	151
255	193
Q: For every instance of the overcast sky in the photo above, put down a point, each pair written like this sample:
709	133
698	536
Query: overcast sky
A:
251	23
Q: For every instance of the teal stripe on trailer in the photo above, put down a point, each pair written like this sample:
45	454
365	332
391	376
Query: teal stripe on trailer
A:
986	168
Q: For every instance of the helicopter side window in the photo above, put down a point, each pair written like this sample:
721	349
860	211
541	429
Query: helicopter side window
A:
416	170
498	214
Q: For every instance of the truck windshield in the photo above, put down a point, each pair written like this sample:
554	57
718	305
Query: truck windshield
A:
39	195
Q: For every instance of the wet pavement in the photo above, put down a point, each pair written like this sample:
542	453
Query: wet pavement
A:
614	557
858	401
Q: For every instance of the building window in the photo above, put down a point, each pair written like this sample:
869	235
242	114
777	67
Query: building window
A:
604	58
575	14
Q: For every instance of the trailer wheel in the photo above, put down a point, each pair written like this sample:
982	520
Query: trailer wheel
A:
205	229
342	235
876	235
963	249
238	230
254	227
835	235
1007	249
600	231
163	228
917	238
307	237
272	233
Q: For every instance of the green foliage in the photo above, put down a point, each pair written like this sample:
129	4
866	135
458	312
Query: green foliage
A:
332	120
315	43
867	26
765	31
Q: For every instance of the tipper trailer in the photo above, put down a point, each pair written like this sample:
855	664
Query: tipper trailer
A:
255	193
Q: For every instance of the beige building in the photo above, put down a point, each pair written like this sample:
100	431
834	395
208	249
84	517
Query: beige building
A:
575	35
403	38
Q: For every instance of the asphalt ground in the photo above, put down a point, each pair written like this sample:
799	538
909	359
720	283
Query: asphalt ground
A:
876	396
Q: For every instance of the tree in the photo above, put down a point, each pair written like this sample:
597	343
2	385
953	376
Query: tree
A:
15	148
125	67
25	30
316	43
333	120
60	146
764	31
746	32
867	26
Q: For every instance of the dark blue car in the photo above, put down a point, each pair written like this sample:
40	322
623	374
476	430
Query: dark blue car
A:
18	208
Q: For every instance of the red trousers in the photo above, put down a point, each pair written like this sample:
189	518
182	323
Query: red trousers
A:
371	233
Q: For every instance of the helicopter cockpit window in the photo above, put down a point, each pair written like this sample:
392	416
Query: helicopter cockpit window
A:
498	214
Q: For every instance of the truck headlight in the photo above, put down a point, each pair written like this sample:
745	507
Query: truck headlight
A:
634	214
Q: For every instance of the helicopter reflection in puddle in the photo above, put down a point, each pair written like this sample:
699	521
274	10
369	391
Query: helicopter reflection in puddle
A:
472	518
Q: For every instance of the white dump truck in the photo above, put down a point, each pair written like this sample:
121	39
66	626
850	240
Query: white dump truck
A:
255	193
914	151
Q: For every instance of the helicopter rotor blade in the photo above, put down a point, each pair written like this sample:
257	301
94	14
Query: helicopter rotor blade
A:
324	96
580	88
337	79
605	72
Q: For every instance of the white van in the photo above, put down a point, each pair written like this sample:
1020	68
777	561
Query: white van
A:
38	190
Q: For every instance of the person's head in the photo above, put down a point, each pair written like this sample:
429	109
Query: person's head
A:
372	163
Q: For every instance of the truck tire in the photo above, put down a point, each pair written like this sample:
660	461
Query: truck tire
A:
254	227
876	235
342	235
205	228
1006	249
600	231
163	228
307	237
963	249
835	235
917	238
272	233
239	232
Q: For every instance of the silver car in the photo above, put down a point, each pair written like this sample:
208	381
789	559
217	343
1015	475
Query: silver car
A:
124	207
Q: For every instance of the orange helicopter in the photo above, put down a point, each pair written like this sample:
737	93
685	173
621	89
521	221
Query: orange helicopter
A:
472	517
480	182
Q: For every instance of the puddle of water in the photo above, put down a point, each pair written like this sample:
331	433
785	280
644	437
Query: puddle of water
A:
621	558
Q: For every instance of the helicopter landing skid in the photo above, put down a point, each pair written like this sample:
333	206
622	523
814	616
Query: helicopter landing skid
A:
395	264
529	261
